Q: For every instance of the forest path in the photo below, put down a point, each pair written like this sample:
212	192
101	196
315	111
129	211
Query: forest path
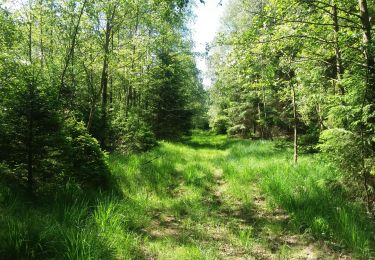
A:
211	211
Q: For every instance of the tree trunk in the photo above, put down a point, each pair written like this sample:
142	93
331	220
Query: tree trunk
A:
104	84
90	83
104	77
131	91
41	44
369	94
267	133
368	52
295	143
260	118
320	117
111	78
70	51
30	141
339	66
30	126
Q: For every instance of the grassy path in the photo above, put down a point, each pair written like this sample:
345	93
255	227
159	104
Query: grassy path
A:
214	198
208	197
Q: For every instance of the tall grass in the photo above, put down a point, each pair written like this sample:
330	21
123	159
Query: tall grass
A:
70	226
311	192
165	204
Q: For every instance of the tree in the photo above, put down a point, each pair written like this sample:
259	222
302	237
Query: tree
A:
299	68
113	65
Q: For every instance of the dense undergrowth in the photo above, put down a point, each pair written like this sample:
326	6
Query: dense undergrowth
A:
190	200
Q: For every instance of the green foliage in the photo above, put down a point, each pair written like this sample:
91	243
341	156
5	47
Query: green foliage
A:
85	162
208	191
220	125
313	193
133	134
170	114
58	63
343	148
30	128
57	150
124	72
309	140
290	69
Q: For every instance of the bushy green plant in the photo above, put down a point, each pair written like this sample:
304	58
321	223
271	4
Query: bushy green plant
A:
309	140
86	161
8	178
220	125
133	134
342	147
4	169
239	130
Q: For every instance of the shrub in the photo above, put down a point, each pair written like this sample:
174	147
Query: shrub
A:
133	134
220	125
85	162
239	130
342	147
309	140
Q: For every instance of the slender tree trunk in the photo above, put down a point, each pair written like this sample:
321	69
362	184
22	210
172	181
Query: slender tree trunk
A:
30	132
90	83
339	66
365	174
105	75
30	42
266	130
255	127
260	118
295	143
111	77
131	88
104	86
132	92
91	117
70	51
41	44
30	141
320	117
127	99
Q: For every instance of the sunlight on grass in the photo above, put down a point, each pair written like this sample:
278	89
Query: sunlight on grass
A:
206	197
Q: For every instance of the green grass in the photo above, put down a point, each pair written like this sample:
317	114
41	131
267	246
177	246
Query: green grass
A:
309	192
208	197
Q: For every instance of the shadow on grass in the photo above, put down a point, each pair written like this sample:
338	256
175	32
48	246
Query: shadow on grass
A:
328	215
57	222
163	179
211	146
79	221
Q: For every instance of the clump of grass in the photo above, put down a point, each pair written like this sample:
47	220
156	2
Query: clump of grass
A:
246	237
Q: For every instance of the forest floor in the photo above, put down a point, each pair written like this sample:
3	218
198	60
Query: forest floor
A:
206	197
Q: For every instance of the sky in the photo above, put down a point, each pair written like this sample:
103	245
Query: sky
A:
204	30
